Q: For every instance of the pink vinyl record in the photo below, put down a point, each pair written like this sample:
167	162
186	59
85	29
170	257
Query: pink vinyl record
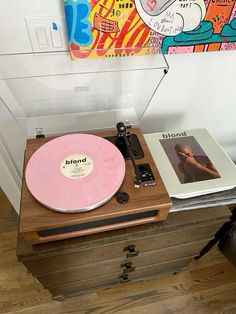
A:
75	173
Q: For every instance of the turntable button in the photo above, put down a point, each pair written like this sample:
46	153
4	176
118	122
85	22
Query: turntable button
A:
122	197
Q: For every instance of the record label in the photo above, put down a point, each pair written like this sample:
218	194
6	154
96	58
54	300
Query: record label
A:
76	166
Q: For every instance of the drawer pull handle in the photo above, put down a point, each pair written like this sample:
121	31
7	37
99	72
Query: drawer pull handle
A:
128	270
127	267
124	278
131	251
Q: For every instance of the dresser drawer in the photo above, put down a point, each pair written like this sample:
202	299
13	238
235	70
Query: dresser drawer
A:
83	286
86	263
56	262
120	265
160	268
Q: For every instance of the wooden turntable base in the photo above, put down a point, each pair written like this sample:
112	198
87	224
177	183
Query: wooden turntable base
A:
39	224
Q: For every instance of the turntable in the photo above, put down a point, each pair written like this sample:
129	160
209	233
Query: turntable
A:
123	187
138	197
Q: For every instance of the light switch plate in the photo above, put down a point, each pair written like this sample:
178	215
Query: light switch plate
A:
47	33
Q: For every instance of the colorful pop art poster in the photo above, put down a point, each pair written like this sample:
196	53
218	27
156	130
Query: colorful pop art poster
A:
117	28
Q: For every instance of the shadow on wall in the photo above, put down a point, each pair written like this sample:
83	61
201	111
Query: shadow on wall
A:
229	145
159	123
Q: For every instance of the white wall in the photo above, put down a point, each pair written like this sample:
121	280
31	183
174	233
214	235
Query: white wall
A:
198	91
13	31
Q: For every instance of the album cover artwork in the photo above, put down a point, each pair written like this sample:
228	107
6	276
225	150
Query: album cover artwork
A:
191	162
118	28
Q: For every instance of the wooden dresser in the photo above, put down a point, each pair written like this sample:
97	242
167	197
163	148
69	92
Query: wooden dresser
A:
89	262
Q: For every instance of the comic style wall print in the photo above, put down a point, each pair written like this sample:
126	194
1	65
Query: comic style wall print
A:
117	28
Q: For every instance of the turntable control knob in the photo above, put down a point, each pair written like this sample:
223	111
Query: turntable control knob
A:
122	197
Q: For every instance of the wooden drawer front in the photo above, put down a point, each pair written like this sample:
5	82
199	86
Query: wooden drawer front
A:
85	285
85	272
66	260
169	254
120	265
155	269
105	281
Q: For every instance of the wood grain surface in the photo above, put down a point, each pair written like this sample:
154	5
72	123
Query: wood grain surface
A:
209	286
209	218
94	262
35	217
8	216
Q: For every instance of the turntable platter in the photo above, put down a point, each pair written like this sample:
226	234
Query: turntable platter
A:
75	173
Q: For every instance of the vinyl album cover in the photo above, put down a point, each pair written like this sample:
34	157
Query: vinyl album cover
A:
118	28
191	162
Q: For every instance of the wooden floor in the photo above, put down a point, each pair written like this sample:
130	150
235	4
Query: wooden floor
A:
208	287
